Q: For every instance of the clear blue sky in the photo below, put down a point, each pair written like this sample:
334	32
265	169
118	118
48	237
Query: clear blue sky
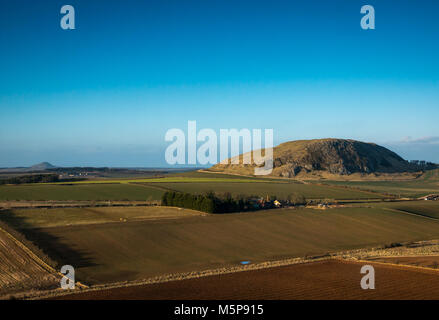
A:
106	93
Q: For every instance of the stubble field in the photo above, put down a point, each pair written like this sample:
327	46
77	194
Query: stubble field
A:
21	270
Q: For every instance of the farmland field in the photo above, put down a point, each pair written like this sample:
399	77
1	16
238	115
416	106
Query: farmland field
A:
123	251
41	218
427	261
20	269
162	179
79	192
423	208
152	189
426	184
279	188
318	280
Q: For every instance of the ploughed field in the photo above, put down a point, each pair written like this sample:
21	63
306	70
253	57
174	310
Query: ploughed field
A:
330	279
426	261
122	244
21	270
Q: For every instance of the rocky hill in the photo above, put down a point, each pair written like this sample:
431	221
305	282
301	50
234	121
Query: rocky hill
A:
332	156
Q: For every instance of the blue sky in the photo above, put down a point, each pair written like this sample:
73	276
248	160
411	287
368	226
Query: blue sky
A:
105	93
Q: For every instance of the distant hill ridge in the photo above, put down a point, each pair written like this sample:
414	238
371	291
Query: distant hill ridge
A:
42	166
333	156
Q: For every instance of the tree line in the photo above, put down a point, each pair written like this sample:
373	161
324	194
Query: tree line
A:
208	202
211	202
32	178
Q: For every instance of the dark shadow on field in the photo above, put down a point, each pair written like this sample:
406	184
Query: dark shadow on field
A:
51	248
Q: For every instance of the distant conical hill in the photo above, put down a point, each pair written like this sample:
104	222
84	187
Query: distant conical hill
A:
42	166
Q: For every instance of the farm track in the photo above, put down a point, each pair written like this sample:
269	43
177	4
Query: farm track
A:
422	261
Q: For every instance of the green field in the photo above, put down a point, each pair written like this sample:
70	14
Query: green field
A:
152	189
43	218
152	180
199	182
426	184
79	192
107	252
422	208
200	174
281	189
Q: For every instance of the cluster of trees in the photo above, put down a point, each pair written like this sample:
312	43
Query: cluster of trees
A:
296	199
32	178
224	203
203	203
208	202
423	164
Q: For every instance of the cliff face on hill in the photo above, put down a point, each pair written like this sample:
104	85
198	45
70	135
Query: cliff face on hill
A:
334	156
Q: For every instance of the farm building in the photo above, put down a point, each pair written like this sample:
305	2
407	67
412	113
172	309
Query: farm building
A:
431	197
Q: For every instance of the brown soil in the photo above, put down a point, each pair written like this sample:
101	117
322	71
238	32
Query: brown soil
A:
420	261
20	270
330	279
